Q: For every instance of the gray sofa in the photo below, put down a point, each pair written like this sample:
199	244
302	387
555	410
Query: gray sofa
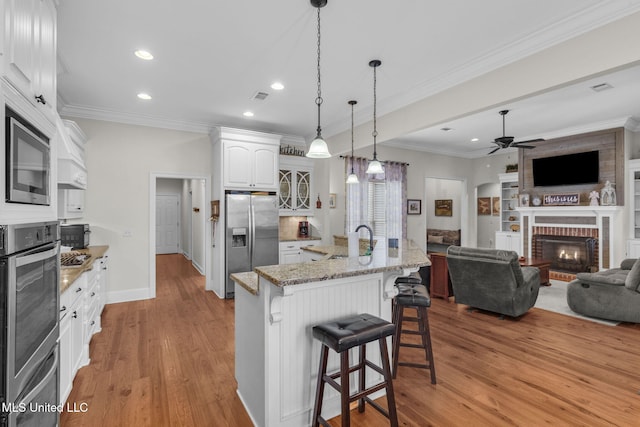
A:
612	294
492	280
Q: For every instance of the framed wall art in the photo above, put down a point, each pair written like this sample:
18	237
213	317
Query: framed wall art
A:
443	207
495	206
484	205
414	207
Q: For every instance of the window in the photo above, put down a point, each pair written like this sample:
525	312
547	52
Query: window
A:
376	207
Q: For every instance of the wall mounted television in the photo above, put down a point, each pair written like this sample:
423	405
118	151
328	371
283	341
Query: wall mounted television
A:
568	169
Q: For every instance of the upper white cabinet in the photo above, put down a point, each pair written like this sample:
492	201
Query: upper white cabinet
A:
250	165
633	197
295	186
29	52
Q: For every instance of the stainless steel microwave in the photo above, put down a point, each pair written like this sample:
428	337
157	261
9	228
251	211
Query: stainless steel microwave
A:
28	162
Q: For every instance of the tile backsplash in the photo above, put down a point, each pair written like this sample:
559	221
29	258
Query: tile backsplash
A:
289	226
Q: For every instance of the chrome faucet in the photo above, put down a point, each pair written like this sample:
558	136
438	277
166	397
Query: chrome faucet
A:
370	237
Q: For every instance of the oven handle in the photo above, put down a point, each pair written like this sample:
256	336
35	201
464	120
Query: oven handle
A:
37	389
38	255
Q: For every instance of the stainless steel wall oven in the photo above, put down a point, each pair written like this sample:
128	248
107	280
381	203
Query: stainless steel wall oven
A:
29	313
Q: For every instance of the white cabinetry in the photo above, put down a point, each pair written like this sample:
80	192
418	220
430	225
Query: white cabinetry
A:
508	237
29	51
81	306
72	347
508	241
633	244
250	165
291	252
295	186
70	204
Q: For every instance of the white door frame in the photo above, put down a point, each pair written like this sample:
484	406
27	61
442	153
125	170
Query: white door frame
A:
153	176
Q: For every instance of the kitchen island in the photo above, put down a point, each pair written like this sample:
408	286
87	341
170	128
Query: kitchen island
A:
276	357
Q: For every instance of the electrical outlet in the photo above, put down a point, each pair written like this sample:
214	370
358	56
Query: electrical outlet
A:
127	233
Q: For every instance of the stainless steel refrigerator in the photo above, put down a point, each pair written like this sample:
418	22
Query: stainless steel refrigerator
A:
251	233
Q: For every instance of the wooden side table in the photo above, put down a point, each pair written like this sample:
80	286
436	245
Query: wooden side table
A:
440	282
543	266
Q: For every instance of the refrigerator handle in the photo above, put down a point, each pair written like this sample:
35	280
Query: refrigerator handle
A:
251	233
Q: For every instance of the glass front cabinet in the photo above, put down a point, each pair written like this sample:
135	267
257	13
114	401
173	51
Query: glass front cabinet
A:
295	197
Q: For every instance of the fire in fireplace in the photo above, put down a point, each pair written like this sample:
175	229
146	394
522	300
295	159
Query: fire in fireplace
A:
569	254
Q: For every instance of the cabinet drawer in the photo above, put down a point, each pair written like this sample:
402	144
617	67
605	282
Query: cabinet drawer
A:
72	294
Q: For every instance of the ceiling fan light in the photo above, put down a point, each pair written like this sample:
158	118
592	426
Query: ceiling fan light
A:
352	179
375	167
318	149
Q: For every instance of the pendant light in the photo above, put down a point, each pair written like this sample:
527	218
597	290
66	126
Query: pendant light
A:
374	165
352	178
318	148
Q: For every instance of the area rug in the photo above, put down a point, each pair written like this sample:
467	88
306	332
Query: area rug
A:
554	298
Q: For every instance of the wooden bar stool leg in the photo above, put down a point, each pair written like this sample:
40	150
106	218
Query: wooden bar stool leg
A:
324	355
426	342
362	376
344	384
391	399
398	318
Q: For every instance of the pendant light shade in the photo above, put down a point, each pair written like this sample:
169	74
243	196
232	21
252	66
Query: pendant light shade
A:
318	148
375	166
352	178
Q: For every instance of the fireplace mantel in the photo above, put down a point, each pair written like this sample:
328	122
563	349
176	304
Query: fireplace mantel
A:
606	219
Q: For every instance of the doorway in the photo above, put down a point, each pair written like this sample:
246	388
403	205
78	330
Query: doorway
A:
453	189
195	218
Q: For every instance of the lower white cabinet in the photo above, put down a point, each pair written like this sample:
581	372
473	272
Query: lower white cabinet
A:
72	347
81	307
508	241
291	252
633	248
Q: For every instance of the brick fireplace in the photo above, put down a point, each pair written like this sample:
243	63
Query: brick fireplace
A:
573	238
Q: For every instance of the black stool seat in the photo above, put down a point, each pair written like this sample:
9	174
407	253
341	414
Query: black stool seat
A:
415	296
341	335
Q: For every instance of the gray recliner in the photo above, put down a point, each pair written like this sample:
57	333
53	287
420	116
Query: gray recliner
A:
612	294
492	280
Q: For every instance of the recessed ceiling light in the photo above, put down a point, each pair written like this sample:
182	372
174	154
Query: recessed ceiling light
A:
277	86
143	54
248	114
475	139
144	96
446	129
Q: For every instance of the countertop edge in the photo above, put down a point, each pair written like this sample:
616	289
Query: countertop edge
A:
68	275
247	280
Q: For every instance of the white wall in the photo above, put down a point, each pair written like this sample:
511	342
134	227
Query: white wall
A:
487	225
120	161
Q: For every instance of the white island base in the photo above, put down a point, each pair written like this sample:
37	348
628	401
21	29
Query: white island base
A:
276	357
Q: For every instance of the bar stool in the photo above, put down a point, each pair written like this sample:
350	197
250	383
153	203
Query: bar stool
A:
340	336
415	296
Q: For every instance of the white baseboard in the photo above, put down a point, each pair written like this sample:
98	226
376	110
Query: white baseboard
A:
128	295
198	267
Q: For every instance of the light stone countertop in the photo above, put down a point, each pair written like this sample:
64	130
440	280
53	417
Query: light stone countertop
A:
409	255
248	280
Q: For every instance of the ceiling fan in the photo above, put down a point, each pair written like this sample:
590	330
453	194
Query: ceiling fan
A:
507	141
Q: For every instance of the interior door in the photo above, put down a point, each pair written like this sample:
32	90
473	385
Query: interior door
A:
167	223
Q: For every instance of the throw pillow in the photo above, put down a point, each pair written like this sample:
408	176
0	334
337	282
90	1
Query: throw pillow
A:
435	239
627	264
633	278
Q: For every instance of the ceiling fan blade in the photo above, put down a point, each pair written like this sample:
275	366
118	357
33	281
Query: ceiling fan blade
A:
522	146
493	151
527	141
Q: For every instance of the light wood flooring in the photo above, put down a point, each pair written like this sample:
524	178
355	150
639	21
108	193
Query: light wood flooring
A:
170	362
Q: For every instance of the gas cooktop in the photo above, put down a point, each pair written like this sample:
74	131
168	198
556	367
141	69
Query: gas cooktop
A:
73	258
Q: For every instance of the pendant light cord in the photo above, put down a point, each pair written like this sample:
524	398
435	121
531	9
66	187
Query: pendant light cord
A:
319	98
352	161
375	127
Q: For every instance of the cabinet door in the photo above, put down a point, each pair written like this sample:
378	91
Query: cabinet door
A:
303	190
66	361
291	256
286	190
77	336
237	165
45	75
265	167
20	42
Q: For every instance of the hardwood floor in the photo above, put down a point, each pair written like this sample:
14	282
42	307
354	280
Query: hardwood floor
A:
170	362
